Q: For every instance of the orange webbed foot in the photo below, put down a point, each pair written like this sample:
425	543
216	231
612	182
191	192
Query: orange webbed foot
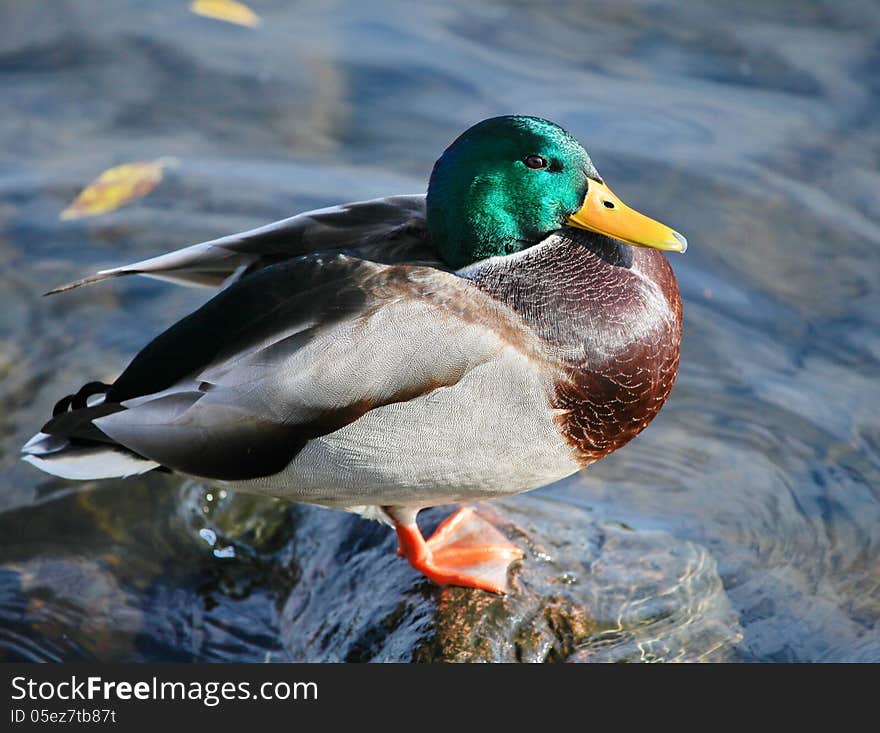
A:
465	550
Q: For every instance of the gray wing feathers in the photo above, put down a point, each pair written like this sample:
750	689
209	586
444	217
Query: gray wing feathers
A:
371	224
203	437
249	416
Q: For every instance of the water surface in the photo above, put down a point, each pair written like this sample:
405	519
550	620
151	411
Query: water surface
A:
750	127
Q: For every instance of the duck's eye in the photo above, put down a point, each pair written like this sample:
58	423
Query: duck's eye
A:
536	162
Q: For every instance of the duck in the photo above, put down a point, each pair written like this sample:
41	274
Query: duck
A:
507	329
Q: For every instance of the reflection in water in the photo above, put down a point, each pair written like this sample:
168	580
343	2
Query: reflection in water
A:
657	601
752	130
93	577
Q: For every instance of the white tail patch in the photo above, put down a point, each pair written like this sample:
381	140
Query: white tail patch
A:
53	454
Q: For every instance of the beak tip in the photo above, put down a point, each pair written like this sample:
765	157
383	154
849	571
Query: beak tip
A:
682	241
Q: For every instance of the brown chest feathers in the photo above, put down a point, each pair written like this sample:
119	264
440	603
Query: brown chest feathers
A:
609	316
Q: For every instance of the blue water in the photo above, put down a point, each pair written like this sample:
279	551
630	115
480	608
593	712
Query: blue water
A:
750	127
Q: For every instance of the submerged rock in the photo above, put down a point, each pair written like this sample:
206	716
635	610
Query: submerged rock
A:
585	591
147	570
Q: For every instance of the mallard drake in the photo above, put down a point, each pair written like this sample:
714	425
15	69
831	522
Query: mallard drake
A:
385	356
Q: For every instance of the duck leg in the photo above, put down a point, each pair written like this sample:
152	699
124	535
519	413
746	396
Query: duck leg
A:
465	550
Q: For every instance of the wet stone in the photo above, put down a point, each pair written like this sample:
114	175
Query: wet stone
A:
586	591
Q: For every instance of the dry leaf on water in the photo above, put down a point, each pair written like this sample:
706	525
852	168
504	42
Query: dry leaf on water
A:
116	186
231	11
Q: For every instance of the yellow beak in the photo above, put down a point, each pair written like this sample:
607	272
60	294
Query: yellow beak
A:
603	212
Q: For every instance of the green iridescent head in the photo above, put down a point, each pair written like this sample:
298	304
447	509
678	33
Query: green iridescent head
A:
508	182
502	186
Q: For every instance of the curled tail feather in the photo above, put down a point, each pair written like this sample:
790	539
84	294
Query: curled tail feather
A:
71	446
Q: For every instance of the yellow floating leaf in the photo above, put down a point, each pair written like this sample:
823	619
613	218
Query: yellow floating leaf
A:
231	11
116	186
